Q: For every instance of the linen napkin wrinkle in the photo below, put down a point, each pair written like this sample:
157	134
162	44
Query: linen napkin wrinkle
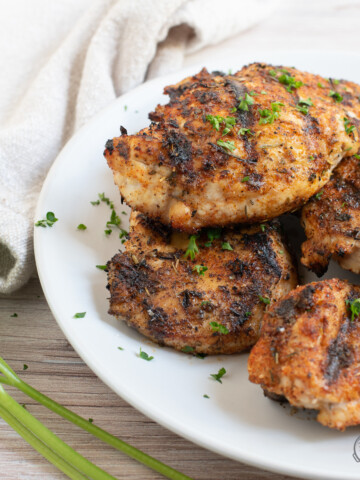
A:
95	52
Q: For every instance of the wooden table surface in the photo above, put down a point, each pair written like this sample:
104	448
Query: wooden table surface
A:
33	337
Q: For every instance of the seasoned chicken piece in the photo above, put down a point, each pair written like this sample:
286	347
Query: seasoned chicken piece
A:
239	148
173	300
309	352
332	221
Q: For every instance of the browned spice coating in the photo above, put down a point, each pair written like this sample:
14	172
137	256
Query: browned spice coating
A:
176	172
155	290
309	352
332	221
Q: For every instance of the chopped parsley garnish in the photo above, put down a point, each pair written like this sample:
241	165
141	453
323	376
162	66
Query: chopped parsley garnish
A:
290	82
245	179
348	127
125	107
218	327
102	267
336	96
303	105
14	315
81	226
206	396
48	222
216	120
80	315
263	227
264	300
114	220
357	156
192	248
268	116
120	348
25	367
187	349
228	145
286	79
95	202
263	92
200	269
319	194
320	85
245	131
108	232
212	234
218	376
144	356
106	200
354	306
226	246
245	102
311	157
91	420
334	81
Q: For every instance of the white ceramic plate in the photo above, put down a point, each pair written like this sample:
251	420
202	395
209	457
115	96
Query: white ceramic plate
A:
237	420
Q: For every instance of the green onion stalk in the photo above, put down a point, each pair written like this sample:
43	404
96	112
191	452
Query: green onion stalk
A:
51	447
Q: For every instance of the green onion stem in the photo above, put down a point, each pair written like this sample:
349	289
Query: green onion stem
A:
39	446
12	379
51	440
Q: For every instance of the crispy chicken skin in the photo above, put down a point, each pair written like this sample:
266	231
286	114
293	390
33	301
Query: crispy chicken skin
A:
156	290
309	352
175	171
332	221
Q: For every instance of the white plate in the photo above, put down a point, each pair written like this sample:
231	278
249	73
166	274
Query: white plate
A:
237	421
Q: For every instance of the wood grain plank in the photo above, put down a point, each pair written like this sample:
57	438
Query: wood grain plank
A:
33	338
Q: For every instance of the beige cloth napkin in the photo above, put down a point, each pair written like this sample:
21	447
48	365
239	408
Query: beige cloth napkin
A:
64	61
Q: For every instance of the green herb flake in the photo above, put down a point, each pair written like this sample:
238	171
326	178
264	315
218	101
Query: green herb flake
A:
144	356
226	246
290	82
218	327
320	85
48	222
125	107
303	105
264	299
354	306
206	396
14	315
268	116
319	194
263	227
311	157
272	73
187	349
218	376
212	234
80	315
217	120
120	348
101	267
336	96
263	92
192	248
25	367
245	102
200	269
357	156
245	131
81	226
348	127
228	145
108	232
91	420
